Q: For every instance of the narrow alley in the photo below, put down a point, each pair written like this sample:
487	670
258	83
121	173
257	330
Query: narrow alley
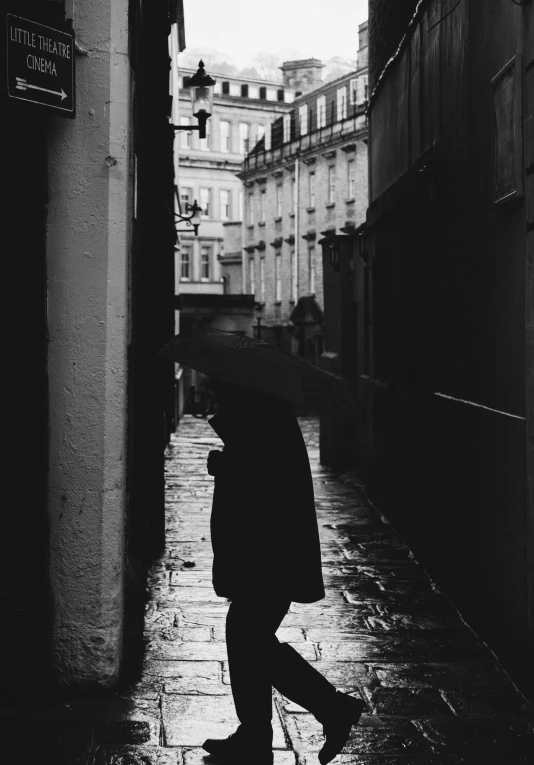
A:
434	693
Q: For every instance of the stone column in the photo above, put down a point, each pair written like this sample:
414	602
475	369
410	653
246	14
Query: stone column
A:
90	208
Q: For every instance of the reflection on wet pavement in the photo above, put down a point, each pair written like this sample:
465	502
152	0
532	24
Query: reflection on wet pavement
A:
384	633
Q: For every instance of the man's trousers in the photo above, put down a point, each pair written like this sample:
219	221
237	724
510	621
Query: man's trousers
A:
258	662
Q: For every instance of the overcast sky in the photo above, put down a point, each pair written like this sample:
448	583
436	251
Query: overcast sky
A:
242	28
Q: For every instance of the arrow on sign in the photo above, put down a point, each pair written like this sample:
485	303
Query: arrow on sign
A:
23	85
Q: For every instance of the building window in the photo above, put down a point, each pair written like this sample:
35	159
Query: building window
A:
331	184
293	192
351	178
185	137
261	132
294	281
342	103
224	204
278	277
253	136
263	91
226	88
287	128
185	270
262	280
303	119
205	263
358	89
321	112
267	137
311	189
279	200
243	137
224	136
244	91
205	143
353	87
311	269
280	94
263	197
251	209
186	197
361	89
205	202
240	204
252	275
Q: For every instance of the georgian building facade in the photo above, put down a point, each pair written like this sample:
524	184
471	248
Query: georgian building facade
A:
305	179
242	109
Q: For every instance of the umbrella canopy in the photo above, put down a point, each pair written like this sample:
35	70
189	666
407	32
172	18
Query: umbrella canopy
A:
257	365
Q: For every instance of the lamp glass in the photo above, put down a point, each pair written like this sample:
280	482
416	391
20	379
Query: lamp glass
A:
202	100
196	220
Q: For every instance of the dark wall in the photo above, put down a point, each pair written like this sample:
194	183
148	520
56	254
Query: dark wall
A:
387	24
151	380
25	639
448	317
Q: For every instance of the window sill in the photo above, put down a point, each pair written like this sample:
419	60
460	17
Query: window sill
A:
291	214
350	201
250	225
278	302
330	205
261	223
310	209
184	280
278	219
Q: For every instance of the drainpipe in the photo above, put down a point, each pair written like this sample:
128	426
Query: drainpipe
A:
297	223
244	259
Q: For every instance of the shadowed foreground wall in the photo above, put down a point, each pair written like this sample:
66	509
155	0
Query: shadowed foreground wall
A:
448	315
88	246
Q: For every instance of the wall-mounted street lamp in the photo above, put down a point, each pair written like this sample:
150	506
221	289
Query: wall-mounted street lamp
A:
191	221
202	88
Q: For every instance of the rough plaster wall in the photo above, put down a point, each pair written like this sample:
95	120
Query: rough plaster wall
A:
88	245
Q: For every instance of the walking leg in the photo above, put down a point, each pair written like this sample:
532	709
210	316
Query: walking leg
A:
303	684
250	631
300	682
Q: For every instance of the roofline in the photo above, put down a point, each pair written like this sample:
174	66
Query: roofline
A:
274	83
325	85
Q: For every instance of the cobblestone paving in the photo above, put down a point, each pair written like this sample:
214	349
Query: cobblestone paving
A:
434	693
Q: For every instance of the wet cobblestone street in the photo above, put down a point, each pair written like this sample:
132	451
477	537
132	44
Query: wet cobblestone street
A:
434	693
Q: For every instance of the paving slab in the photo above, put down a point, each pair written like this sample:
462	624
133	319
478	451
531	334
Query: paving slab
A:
190	720
197	756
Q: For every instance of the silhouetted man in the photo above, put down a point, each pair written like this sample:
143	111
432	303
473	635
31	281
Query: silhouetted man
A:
266	555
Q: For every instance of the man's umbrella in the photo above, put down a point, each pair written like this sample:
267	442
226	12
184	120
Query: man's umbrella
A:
259	366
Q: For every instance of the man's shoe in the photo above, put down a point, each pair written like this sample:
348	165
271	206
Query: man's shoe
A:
337	728
239	748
